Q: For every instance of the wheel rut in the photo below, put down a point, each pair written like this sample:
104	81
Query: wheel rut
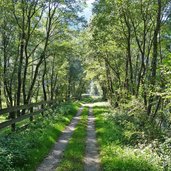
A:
92	162
51	162
91	159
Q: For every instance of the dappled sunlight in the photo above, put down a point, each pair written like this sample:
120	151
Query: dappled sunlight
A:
118	157
2	119
51	139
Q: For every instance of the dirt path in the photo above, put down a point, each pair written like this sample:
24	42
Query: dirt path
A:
92	162
52	160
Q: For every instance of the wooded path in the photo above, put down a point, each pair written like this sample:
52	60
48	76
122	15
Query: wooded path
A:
91	160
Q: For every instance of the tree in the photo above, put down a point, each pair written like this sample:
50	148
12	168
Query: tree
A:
127	36
28	29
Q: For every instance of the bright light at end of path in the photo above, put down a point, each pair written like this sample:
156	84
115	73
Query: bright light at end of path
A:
96	104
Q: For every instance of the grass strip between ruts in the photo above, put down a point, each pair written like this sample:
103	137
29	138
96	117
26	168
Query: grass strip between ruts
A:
73	158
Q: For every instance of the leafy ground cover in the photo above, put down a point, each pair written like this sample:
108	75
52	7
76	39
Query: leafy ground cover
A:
24	150
126	144
74	154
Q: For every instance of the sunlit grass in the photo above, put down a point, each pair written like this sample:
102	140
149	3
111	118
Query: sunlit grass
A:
53	132
115	152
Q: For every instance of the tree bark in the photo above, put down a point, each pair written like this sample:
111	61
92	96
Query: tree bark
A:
155	56
21	57
44	82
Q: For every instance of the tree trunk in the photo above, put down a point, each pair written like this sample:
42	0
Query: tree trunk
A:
155	55
130	60
126	75
0	94
109	81
22	45
44	82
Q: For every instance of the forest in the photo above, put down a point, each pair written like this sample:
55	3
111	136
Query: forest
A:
53	60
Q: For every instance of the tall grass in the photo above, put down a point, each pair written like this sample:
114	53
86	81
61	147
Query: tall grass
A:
116	151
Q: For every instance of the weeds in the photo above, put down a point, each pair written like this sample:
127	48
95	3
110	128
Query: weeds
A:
121	143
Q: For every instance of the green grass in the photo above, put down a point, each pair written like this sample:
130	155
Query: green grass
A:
75	151
19	125
26	149
116	151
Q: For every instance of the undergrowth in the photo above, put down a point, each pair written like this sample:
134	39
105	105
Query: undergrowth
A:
129	142
24	150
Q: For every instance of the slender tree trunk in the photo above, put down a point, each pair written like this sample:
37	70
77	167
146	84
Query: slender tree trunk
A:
130	62
126	75
21	58
51	13
44	82
129	57
7	85
53	79
109	81
37	92
104	90
157	108
1	76
155	56
0	94
69	86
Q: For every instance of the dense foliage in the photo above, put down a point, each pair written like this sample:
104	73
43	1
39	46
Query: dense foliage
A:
126	144
39	55
129	46
131	41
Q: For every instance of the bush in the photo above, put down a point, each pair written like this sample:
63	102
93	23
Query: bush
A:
129	144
